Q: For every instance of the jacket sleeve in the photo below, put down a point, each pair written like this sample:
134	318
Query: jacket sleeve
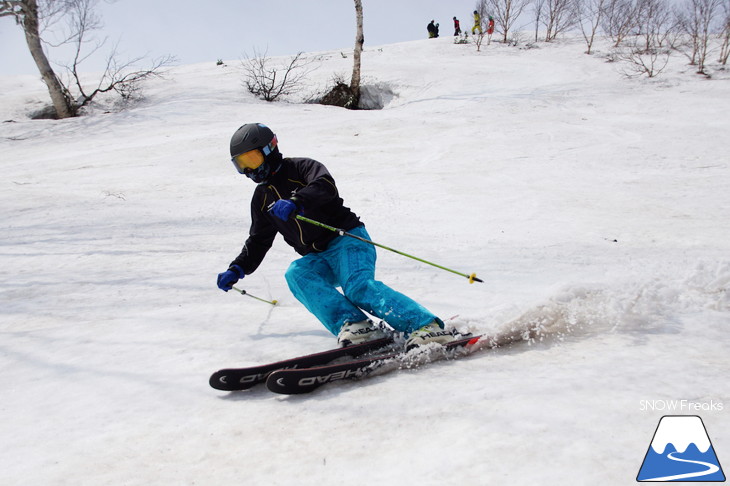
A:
319	186
260	238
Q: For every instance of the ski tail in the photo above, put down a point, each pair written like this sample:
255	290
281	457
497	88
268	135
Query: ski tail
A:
238	379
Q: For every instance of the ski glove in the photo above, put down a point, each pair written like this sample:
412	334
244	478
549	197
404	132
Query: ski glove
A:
283	209
229	277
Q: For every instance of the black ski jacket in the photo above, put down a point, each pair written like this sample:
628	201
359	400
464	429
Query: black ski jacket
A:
309	184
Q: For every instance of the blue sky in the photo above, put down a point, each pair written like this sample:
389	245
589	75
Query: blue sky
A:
228	29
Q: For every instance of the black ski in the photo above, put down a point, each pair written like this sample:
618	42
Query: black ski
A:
296	381
233	379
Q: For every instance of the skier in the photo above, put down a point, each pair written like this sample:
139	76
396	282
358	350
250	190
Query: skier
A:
490	29
477	23
288	186
457	27
433	30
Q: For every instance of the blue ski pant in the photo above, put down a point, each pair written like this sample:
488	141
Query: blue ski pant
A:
349	264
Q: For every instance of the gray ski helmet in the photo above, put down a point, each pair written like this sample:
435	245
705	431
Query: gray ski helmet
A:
256	136
252	136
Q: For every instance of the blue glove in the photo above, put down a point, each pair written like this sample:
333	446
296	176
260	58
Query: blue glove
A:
229	277
283	208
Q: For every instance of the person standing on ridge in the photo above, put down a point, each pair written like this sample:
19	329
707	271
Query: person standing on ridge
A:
457	27
432	32
289	186
490	30
477	23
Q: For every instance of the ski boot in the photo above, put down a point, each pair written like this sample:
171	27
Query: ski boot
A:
430	333
359	332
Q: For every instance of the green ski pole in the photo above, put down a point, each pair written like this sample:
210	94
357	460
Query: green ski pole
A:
472	278
243	292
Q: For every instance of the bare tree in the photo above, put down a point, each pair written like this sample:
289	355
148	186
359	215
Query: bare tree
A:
655	22
725	34
638	61
34	16
538	8
478	40
122	77
270	81
646	53
359	41
619	20
689	26
559	16
342	94
591	13
29	16
697	22
506	13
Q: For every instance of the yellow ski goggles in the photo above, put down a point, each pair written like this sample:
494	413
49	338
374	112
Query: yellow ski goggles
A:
248	160
252	160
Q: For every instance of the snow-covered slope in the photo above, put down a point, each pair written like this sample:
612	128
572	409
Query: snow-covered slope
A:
594	207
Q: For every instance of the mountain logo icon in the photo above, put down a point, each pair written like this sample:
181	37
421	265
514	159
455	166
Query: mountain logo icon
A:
681	451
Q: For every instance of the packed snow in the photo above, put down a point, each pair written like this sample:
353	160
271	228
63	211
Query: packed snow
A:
594	207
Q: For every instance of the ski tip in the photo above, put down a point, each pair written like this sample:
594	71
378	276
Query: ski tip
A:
473	341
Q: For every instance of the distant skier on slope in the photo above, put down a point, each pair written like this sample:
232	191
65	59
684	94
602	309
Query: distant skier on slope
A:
457	27
477	23
288	186
433	30
490	30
